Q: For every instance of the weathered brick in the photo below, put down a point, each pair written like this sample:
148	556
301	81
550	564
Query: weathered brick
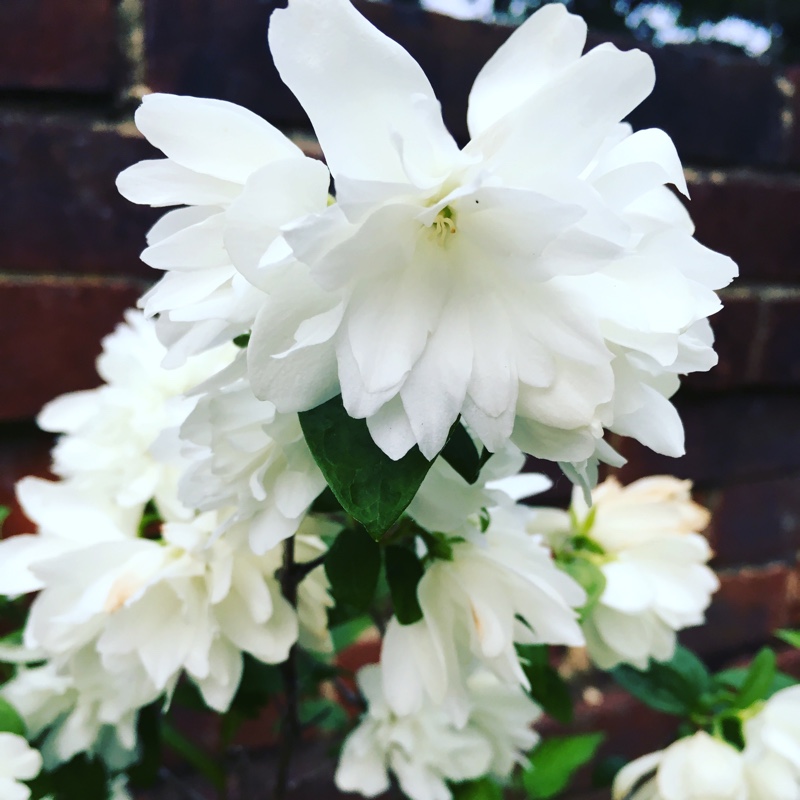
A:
750	216
50	331
719	108
749	606
62	213
58	45
730	438
756	523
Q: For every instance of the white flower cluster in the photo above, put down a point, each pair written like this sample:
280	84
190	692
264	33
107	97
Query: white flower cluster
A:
644	538
542	283
18	763
701	766
137	585
540	286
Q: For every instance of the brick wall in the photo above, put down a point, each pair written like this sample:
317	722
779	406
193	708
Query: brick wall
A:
70	76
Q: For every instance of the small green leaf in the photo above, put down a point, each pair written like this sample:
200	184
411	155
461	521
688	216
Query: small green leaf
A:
554	762
242	340
10	720
735	678
352	565
790	637
404	572
589	576
758	680
482	789
323	714
461	454
347	633
672	687
4	512
548	688
370	486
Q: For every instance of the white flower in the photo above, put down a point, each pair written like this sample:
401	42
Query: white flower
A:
445	500
499	588
78	706
113	434
645	539
776	727
542	282
426	749
233	171
698	767
18	762
246	457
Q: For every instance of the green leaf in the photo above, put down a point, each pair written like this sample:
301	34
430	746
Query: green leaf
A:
352	565
10	720
370	486
735	678
323	714
554	762
148	728
404	572
79	779
347	633
758	680
548	688
672	687
482	789
589	576
4	512
461	454
790	637
242	340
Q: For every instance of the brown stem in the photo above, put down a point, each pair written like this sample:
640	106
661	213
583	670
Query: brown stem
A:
290	726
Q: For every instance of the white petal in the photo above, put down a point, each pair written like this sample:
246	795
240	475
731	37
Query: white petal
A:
540	48
162	182
360	89
196	247
212	137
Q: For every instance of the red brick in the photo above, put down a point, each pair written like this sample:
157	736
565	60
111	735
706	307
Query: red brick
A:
58	45
63	214
756	523
719	108
752	217
50	331
24	450
749	606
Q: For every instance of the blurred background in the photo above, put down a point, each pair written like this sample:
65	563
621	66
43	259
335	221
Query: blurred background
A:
728	92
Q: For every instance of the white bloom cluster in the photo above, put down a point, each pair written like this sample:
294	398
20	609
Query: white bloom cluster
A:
645	540
128	601
18	763
542	283
426	749
497	589
701	767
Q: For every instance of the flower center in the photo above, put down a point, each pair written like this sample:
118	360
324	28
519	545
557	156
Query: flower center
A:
444	226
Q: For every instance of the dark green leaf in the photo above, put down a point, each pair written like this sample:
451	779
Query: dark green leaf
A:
733	731
79	779
790	637
548	689
242	340
370	486
404	571
4	512
735	678
10	720
352	565
589	576
553	763
461	454
606	770
672	687
759	679
324	714
482	789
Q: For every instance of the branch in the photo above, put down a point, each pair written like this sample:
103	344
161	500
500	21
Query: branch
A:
290	726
